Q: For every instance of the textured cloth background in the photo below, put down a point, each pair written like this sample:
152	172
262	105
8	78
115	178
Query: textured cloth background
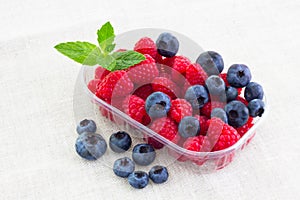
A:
37	123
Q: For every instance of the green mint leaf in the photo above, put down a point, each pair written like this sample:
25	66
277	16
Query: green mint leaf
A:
108	62
106	37
127	59
81	52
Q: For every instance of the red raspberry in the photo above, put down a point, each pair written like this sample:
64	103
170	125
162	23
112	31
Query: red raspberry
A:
197	143
169	61
153	142
203	124
180	63
221	134
244	129
115	84
159	59
241	99
165	85
195	74
224	77
180	108
209	106
92	85
144	91
101	72
134	107
146	120
146	46
165	127
144	72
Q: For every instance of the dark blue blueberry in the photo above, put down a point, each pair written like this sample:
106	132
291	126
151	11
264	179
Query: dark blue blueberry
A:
219	113
253	91
237	113
215	85
90	146
86	125
231	93
238	75
211	62
120	141
189	127
167	45
157	105
197	95
158	174
256	107
123	167
138	179
143	154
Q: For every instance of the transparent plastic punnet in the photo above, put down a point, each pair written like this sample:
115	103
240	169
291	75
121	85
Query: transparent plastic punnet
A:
88	105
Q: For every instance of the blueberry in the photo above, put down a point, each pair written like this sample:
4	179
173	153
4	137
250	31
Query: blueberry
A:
143	154
86	125
253	91
123	167
231	93
90	146
120	141
211	62
256	107
138	179
157	105
237	113
167	45
219	113
158	174
238	75
215	85
189	127
197	95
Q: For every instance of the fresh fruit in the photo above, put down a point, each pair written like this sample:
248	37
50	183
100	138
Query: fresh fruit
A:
197	95
143	154
203	124
237	113
195	74
90	146
146	46
86	125
188	127
158	174
166	127
179	65
209	106
134	107
244	129
123	167
115	84
211	62
100	73
153	142
241	99
165	85
219	113
144	91
238	75
253	91
138	179
180	108
215	85
92	85
120	141
157	105
144	72
256	107
167	45
231	93
224	77
197	143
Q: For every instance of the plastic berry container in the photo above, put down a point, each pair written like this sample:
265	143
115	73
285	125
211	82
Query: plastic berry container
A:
86	104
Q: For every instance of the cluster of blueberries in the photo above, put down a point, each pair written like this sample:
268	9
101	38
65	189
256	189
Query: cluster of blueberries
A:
91	146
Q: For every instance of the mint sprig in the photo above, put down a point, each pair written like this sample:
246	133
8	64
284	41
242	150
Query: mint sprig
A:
90	54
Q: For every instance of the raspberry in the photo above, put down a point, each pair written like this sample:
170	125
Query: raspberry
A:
134	107
146	46
243	129
144	72
165	127
197	143
146	120
221	134
180	108
159	59
153	142
224	77
203	124
169	61
195	74
116	83
241	99
101	73
165	85
144	91
92	85
180	63
209	106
